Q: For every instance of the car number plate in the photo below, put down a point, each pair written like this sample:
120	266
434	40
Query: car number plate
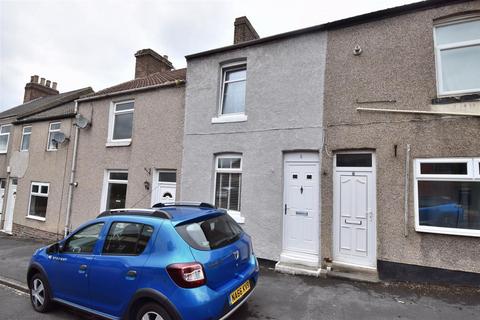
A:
239	292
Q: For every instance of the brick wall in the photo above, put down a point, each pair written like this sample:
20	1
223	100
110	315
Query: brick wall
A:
28	232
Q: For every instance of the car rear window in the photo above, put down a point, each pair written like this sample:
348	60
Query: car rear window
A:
212	233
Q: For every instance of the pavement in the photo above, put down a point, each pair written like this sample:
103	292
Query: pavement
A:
281	297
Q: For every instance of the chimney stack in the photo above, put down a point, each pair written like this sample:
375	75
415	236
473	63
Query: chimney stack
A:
149	62
244	31
34	90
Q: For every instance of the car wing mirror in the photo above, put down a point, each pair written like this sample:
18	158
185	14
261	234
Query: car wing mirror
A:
60	247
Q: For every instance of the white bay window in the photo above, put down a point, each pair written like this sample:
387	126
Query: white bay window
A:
447	196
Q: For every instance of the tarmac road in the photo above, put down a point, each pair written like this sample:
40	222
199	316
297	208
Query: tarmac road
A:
285	297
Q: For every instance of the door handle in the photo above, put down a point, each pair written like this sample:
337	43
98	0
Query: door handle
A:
83	267
131	274
285	209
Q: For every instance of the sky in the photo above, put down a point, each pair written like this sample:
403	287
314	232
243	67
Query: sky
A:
81	43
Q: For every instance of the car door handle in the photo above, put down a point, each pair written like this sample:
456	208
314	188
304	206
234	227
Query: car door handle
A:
131	274
83	267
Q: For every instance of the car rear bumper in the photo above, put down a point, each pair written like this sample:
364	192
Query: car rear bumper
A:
204	303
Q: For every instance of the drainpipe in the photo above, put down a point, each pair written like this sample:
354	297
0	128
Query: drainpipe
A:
71	184
407	181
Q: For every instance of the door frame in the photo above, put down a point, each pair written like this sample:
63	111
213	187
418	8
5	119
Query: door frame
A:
309	259
372	232
8	201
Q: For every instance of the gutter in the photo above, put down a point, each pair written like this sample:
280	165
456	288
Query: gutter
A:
437	113
63	116
117	93
71	183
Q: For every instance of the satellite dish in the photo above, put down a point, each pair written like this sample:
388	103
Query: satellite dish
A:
59	138
81	121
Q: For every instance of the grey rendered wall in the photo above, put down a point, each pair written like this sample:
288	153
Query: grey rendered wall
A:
39	165
284	101
397	63
156	144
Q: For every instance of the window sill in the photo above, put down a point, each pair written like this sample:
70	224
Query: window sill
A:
36	218
237	216
118	143
449	231
3	152
230	118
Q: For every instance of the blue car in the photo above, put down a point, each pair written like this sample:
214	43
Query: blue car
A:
182	261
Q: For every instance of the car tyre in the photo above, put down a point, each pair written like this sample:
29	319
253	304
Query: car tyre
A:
40	296
152	311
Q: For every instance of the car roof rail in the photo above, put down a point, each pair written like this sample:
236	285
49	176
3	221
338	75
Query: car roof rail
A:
135	212
184	204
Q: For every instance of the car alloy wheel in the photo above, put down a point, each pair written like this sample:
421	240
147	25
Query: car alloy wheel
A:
38	293
151	315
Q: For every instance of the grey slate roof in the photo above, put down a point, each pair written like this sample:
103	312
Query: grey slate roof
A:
45	107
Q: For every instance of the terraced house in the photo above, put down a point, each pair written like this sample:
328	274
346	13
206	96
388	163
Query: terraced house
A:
35	154
349	148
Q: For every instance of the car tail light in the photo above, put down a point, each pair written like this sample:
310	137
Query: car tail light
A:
187	275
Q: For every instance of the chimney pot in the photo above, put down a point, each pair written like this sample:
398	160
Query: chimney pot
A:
32	78
48	83
42	81
54	85
35	79
244	31
34	90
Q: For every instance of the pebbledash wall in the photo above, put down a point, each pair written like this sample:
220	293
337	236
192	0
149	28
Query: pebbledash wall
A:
284	102
156	144
397	64
40	165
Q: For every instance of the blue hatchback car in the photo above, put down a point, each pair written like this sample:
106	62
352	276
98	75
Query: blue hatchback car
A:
182	261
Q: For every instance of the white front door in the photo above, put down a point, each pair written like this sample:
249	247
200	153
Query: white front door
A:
164	187
354	210
11	196
301	209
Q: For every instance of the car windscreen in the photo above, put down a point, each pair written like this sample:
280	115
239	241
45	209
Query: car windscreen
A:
211	233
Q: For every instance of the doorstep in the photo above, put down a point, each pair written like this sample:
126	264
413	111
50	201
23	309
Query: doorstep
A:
352	272
297	269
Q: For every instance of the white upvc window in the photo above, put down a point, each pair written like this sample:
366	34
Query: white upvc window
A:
457	55
228	184
54	127
120	123
114	189
233	91
4	137
26	133
37	207
447	196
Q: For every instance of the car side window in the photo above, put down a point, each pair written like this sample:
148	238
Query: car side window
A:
126	238
84	240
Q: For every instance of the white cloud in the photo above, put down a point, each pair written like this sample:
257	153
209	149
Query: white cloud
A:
92	42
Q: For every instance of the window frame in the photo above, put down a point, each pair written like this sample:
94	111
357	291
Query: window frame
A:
50	132
237	116
23	138
38	194
471	176
111	123
454	45
85	227
236	215
6	134
143	225
107	181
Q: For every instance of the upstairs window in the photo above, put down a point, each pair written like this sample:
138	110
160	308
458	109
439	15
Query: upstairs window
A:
121	122
447	196
54	128
26	133
4	137
457	51
233	89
